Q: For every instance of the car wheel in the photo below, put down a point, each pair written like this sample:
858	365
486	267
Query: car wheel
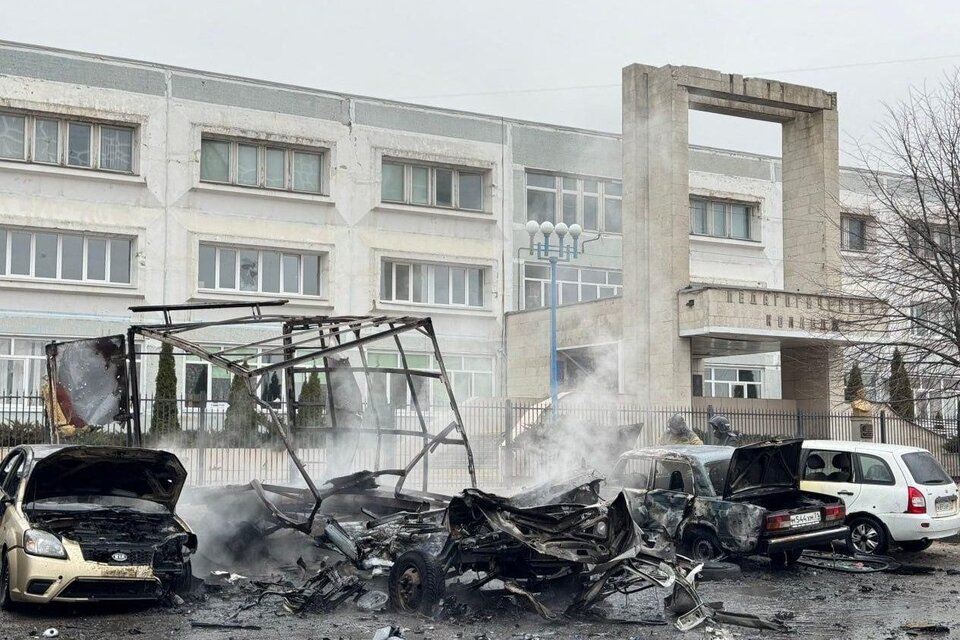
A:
417	582
913	546
785	559
867	536
6	602
702	545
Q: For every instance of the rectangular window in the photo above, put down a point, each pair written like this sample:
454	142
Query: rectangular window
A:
853	233
436	284
48	139
436	186
596	205
470	375
575	284
250	163
72	257
723	219
256	270
729	382
12	136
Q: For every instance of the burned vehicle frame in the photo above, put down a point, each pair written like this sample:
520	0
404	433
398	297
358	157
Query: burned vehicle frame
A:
565	539
300	342
724	501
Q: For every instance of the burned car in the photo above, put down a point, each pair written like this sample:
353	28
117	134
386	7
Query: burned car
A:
81	523
717	501
572	540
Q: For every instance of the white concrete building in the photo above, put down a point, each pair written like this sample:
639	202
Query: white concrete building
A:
125	183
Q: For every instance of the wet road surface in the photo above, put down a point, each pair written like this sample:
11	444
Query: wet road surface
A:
817	604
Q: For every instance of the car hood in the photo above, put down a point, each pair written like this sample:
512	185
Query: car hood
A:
145	474
764	467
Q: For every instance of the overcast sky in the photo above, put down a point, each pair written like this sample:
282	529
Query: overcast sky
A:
506	57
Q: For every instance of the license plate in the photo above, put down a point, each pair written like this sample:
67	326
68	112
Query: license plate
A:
804	519
946	505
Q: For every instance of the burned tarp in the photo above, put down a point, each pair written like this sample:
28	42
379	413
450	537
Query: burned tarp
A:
86	384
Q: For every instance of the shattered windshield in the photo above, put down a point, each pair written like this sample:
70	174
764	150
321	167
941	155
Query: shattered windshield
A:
717	472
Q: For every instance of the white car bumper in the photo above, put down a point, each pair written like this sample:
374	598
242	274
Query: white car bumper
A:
904	527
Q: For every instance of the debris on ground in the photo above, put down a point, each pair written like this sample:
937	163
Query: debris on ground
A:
223	625
388	633
52	632
916	628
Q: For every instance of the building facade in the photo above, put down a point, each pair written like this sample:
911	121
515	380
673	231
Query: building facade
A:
125	183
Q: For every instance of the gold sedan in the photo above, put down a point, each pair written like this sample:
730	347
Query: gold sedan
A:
85	523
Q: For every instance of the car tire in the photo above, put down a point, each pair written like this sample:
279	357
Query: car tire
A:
416	583
867	536
915	546
701	545
785	559
184	582
6	601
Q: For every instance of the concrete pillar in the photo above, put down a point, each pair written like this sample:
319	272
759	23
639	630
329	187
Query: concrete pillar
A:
811	203
813	376
656	230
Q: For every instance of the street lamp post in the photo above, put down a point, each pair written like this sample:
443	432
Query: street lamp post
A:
561	251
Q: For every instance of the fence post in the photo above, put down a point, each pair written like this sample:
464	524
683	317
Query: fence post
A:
202	444
799	423
508	471
958	442
883	427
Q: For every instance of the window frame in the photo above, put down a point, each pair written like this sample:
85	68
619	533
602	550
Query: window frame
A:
861	476
63	137
710	380
431	267
322	266
560	189
408	167
854	465
263	146
7	256
754	219
845	232
544	282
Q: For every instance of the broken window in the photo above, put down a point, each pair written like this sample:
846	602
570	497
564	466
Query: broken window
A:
12	137
37	138
431	185
596	205
59	256
250	163
87	384
436	284
254	270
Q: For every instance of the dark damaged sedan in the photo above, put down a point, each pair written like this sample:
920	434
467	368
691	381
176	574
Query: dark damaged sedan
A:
82	523
729	501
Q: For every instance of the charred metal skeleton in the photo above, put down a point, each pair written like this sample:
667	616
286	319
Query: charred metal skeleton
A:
297	343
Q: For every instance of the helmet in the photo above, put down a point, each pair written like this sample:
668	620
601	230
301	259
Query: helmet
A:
676	424
720	424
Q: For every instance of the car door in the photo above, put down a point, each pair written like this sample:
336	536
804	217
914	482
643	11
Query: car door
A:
831	472
879	493
9	483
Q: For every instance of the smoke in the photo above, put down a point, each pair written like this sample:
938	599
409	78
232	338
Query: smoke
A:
590	430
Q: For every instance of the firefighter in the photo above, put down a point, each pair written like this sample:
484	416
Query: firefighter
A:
721	432
678	432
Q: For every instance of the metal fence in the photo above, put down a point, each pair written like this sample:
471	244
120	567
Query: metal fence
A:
514	442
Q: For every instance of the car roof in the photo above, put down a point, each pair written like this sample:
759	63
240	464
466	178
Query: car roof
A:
702	452
854	445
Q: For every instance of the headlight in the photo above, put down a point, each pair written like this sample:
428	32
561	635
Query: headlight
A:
601	528
43	543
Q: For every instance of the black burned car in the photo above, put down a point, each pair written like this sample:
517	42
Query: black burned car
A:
565	537
91	523
716	501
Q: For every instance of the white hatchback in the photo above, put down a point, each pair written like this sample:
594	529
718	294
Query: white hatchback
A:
895	495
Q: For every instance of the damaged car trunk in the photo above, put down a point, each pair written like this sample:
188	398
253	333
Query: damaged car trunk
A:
716	501
113	511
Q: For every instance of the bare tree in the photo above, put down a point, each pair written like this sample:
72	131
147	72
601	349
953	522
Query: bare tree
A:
904	261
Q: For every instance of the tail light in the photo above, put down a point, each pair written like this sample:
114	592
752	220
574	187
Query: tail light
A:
834	513
916	503
775	523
